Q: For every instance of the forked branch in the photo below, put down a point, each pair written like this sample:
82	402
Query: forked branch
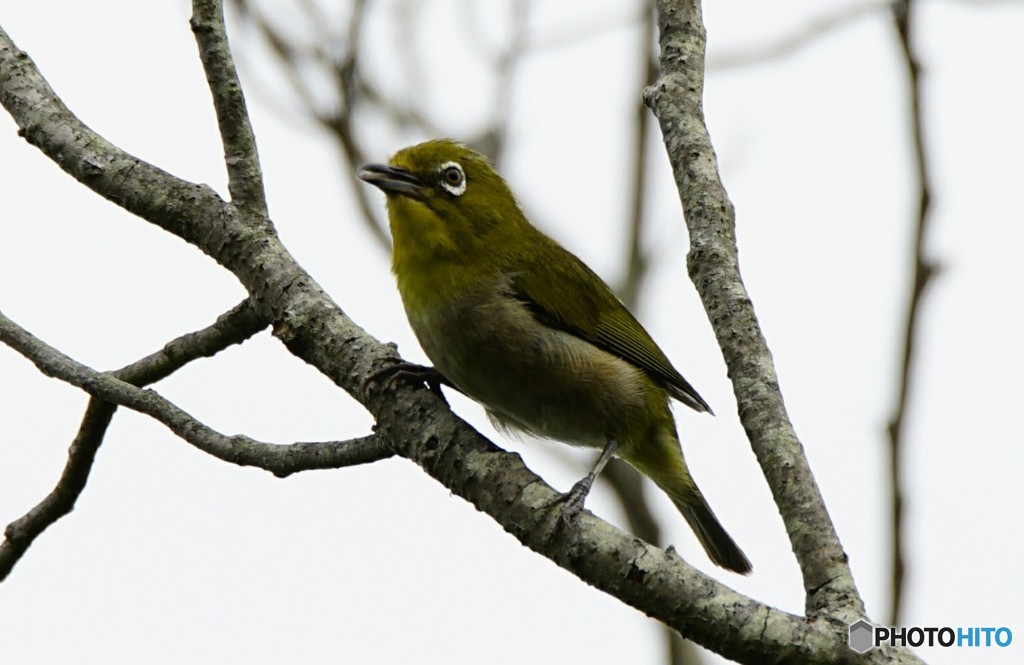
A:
233	327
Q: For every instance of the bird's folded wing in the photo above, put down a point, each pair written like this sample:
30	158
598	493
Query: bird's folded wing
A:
568	296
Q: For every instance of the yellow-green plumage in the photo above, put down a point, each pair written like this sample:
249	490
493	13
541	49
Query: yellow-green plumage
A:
522	326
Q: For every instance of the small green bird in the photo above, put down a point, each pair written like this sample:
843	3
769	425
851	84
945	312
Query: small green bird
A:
522	326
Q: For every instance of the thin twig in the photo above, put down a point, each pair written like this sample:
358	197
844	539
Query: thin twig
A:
924	271
233	327
280	459
245	179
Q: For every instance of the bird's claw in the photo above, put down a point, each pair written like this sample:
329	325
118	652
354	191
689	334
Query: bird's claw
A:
406	371
572	501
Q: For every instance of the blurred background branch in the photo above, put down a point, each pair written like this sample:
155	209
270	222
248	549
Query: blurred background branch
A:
323	63
922	272
800	37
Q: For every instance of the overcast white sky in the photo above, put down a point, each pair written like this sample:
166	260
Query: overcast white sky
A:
173	556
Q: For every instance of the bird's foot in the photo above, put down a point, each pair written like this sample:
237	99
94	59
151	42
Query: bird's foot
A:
406	371
573	500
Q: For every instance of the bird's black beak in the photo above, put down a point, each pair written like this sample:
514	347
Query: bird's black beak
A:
392	179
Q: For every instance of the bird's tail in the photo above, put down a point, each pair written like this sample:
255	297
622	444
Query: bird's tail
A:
719	545
663	463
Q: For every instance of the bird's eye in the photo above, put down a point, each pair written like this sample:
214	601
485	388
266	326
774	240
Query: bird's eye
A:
452	178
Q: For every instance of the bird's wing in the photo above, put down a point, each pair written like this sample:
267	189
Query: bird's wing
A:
587	308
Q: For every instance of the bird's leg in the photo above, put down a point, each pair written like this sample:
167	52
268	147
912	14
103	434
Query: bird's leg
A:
573	499
407	371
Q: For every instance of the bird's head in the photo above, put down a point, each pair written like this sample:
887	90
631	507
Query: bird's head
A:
446	199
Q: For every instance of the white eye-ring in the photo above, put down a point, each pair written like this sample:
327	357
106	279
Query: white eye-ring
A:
452	178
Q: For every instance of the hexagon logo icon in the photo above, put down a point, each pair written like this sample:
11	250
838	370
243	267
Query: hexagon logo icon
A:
862	636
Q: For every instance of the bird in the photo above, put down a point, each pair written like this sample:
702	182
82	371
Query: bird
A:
521	325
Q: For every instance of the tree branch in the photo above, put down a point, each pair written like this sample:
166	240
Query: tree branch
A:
280	459
245	179
233	327
924	272
676	99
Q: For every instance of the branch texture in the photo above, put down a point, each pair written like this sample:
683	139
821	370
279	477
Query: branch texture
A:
245	179
713	262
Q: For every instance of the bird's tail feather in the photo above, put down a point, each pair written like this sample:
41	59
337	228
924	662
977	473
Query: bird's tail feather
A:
720	547
662	461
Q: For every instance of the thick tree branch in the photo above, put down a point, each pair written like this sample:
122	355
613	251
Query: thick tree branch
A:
280	459
245	179
676	99
233	327
924	271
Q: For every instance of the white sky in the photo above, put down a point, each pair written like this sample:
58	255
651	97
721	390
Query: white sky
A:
172	555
